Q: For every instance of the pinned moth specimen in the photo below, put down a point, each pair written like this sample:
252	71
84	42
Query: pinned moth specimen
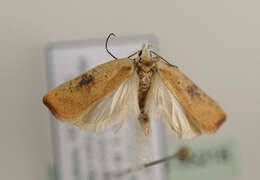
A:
140	86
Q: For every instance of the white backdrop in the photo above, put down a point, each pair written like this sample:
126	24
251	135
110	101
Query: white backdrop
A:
214	42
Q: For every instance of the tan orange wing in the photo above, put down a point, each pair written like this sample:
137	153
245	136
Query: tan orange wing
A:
203	110
71	99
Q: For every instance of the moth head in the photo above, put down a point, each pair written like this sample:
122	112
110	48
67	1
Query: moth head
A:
145	52
145	61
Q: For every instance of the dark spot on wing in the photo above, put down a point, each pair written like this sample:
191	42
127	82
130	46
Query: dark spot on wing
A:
85	79
126	68
193	90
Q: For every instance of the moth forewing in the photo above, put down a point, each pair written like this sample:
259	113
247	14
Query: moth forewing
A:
69	101
203	110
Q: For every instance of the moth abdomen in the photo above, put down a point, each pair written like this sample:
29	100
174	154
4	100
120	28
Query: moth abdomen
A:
144	121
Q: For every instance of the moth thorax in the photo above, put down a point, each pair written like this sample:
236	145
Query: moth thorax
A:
146	65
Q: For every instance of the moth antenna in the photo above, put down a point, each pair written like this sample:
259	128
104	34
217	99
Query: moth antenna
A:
111	34
157	55
134	54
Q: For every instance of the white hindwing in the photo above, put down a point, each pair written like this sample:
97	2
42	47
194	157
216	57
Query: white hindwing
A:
164	105
115	107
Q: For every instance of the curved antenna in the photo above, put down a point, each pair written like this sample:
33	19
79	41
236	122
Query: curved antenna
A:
157	55
134	54
111	34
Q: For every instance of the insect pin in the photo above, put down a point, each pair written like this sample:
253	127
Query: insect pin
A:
140	86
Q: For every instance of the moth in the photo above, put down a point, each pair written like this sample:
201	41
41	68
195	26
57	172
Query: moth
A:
141	86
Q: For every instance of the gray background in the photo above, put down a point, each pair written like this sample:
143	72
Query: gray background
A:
216	43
